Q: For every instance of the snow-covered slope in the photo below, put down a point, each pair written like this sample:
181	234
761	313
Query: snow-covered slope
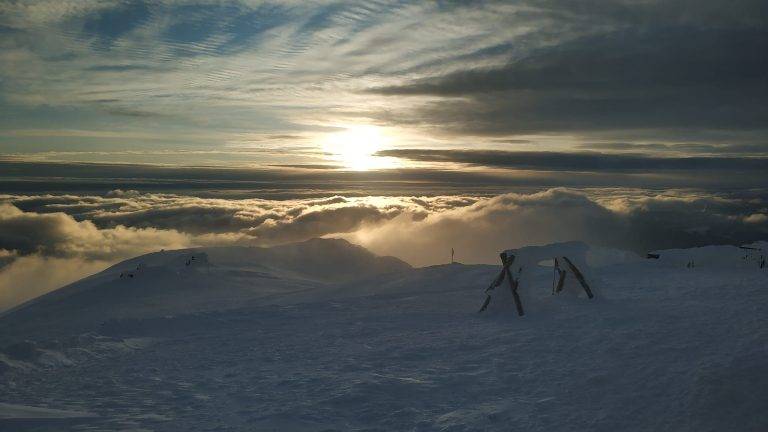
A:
195	280
326	336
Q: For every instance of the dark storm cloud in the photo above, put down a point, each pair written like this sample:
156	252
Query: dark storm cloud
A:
645	66
628	62
545	161
540	172
690	148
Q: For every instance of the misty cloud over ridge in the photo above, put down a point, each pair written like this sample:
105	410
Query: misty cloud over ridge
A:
121	222
208	122
74	235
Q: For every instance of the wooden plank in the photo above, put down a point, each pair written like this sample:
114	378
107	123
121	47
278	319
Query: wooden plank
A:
495	283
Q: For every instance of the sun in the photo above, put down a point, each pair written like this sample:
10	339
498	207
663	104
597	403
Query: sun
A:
355	147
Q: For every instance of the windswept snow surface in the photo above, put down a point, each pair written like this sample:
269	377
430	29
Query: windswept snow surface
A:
323	335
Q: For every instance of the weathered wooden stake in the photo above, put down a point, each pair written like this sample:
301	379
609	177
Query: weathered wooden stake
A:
507	263
485	303
579	276
561	279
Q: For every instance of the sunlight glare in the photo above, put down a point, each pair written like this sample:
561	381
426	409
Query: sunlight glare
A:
356	146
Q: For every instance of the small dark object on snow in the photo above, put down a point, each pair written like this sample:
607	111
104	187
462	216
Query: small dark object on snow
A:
652	256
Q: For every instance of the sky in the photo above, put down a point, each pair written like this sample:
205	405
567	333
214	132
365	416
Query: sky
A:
406	127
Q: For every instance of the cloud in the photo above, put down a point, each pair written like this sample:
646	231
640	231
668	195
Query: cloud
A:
529	160
682	148
606	63
30	276
125	222
47	219
60	235
655	66
73	235
756	218
478	68
431	179
57	239
43	251
638	222
122	222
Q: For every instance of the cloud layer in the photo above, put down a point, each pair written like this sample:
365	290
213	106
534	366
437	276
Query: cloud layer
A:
664	67
199	74
592	161
633	221
121	223
75	234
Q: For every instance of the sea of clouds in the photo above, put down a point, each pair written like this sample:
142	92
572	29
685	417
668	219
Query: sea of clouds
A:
47	241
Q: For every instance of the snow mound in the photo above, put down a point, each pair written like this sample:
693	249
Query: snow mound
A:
716	257
198	280
534	274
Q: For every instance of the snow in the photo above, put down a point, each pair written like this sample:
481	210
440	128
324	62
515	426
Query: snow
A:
527	266
326	336
21	417
19	412
716	257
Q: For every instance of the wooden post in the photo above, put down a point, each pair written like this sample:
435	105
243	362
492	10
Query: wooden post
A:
507	263
554	272
561	277
579	276
485	303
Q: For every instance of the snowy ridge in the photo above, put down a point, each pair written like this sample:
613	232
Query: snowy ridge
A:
198	280
745	257
247	339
